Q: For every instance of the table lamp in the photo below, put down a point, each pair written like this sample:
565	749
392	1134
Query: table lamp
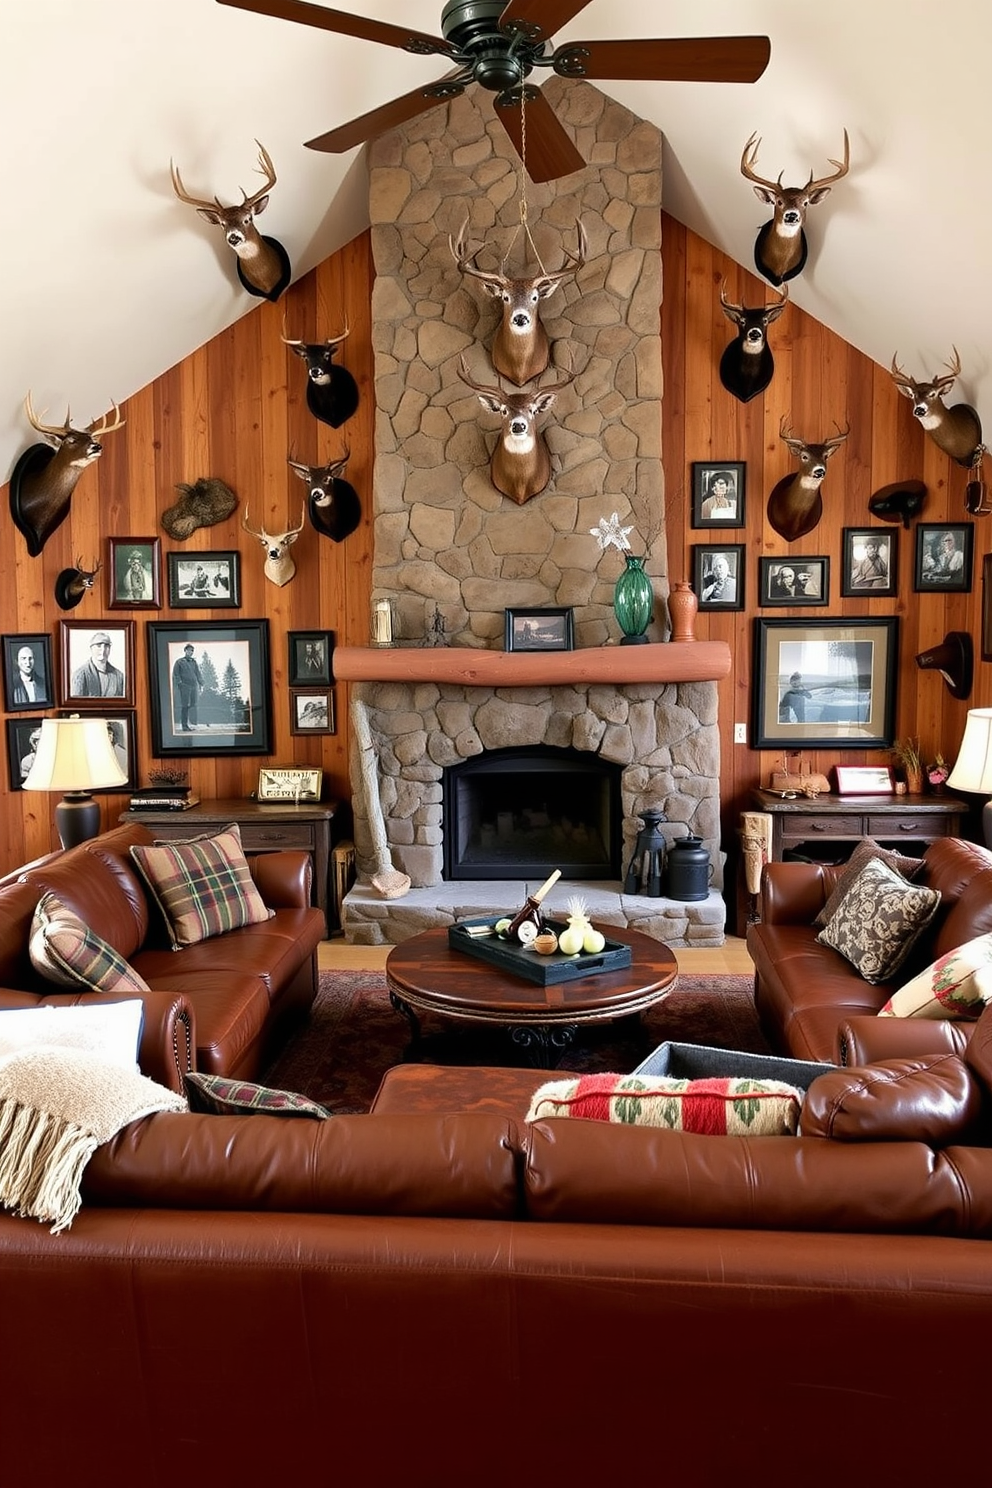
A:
973	766
75	755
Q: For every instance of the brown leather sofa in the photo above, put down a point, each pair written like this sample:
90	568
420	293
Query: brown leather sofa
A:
813	1004
218	1006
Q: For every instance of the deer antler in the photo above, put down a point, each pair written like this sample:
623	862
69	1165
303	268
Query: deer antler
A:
102	427
183	194
749	160
266	169
466	261
842	169
53	429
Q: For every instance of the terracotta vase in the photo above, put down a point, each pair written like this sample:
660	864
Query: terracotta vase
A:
682	607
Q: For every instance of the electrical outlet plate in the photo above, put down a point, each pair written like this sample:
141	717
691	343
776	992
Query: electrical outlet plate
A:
740	733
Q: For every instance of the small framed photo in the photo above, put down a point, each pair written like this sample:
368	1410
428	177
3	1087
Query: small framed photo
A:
27	673
539	630
203	581
310	656
943	557
794	581
22	744
718	493
97	663
134	573
210	687
311	711
868	562
120	727
718	575
863	780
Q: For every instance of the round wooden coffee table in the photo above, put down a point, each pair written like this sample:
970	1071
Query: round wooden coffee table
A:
424	975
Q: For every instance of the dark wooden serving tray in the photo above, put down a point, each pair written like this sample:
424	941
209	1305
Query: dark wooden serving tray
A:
545	970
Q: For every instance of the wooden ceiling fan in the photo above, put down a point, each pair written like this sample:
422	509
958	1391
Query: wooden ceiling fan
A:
498	44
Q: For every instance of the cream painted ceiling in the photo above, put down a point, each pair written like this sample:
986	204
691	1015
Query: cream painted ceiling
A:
107	280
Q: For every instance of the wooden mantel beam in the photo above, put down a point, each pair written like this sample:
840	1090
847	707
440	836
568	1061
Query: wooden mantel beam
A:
672	661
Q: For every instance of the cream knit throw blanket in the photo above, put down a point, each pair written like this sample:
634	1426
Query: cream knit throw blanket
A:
56	1107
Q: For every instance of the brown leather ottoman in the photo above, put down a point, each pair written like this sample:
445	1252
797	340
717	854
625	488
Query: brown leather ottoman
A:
412	1089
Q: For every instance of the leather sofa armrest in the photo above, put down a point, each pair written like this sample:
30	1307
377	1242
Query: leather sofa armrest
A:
284	879
933	1099
794	893
866	1040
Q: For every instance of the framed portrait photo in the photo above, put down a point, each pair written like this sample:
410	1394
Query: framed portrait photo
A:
97	663
718	493
311	711
209	686
27	673
120	727
134	569
718	575
825	684
22	744
794	581
943	557
538	630
868	562
310	657
202	581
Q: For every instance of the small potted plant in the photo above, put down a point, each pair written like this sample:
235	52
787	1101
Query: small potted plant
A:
906	753
937	773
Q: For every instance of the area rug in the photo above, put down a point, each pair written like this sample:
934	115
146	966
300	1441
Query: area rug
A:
354	1035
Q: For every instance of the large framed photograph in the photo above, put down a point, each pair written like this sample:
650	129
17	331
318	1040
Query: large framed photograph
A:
199	581
794	581
22	744
539	630
27	673
311	711
718	575
209	687
134	570
718	493
120	727
868	562
828	685
310	657
943	557
97	663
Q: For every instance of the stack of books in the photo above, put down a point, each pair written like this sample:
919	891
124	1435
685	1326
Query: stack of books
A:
163	798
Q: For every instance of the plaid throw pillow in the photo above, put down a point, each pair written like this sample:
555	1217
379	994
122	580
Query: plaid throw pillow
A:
217	1095
63	949
202	886
715	1107
879	920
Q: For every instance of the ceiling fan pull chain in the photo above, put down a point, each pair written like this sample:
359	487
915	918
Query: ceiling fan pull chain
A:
524	224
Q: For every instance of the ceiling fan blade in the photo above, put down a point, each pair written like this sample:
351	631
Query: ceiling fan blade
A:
550	151
346	25
683	59
542	18
377	121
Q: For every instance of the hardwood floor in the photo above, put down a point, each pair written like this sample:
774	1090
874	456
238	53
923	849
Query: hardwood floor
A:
730	958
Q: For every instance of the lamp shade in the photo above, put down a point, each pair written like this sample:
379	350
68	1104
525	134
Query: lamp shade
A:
74	754
973	766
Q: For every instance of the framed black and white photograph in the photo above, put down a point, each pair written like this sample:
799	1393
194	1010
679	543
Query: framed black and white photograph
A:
794	581
200	581
134	567
310	656
868	562
22	744
943	557
718	575
97	663
539	630
311	711
121	729
829	684
210	687
718	493
27	673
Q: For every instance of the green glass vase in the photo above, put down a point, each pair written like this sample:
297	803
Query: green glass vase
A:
633	601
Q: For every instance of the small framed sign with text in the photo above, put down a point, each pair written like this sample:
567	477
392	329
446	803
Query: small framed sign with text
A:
863	780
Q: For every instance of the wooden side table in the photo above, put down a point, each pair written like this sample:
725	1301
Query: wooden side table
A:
840	822
265	827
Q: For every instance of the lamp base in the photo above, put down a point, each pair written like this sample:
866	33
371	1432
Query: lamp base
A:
987	824
77	818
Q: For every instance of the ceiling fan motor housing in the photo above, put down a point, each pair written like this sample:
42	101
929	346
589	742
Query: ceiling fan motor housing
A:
498	61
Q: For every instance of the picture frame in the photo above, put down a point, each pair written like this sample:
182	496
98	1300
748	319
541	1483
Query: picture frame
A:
718	586
987	607
226	708
311	655
793	581
37	676
311	711
134	569
869	562
290	784
121	727
97	663
825	684
718	493
943	557
22	738
863	780
205	581
539	630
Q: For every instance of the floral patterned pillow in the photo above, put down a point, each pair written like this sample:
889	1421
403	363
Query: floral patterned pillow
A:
879	921
957	985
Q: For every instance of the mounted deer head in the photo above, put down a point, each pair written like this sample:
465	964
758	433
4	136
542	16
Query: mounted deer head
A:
520	349
747	365
520	465
279	565
795	505
43	480
335	509
72	584
332	392
956	430
263	264
781	248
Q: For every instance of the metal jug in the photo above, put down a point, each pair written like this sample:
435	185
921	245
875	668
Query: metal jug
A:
689	869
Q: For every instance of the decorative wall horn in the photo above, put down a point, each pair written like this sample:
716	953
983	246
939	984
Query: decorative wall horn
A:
956	430
43	480
780	249
899	502
332	392
747	365
795	505
521	464
334	507
72	584
954	659
263	263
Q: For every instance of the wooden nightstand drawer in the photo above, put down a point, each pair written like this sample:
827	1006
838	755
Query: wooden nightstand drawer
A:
257	837
910	825
816	825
